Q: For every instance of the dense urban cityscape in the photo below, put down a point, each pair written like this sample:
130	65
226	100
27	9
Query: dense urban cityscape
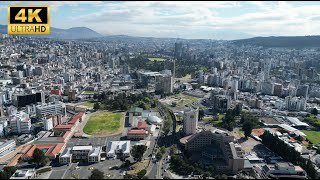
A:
127	107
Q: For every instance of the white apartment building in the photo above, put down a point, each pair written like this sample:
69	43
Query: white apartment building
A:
51	108
20	123
190	120
47	123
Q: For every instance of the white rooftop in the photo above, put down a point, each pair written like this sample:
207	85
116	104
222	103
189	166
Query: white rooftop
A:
112	146
296	121
79	148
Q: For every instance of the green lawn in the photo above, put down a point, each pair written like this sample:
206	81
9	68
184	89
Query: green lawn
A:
313	136
156	59
88	104
185	99
313	120
103	123
208	118
88	92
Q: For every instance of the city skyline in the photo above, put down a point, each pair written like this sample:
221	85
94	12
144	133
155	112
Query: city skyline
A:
192	20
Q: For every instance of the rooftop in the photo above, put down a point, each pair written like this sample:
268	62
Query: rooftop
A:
136	131
75	118
79	148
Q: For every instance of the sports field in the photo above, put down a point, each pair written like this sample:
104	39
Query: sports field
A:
88	104
313	136
156	59
88	92
103	123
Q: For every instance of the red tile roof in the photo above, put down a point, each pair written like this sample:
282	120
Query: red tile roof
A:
53	149
65	135
63	126
75	118
142	125
136	131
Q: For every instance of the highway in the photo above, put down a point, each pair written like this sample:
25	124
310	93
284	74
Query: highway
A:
157	168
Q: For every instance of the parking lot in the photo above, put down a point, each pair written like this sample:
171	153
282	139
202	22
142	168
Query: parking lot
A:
251	145
83	171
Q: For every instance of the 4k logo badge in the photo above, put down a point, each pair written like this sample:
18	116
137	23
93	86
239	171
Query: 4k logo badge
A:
28	19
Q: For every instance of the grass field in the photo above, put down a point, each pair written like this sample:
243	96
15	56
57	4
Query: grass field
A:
88	92
156	59
103	123
185	99
313	136
187	77
88	104
138	167
210	118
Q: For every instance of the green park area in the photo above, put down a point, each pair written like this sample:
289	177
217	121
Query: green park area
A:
214	121
313	120
88	92
313	136
156	59
185	99
88	104
103	123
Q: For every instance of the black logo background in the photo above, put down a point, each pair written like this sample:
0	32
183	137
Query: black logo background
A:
42	14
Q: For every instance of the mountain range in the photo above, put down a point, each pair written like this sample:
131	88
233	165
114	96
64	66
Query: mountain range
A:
242	38
281	41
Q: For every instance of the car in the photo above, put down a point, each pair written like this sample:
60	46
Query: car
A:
90	168
77	167
165	170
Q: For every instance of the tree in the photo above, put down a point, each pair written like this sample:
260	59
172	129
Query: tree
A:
127	176
166	177
141	173
163	149
247	128
201	114
238	109
96	174
206	175
314	111
7	172
96	106
173	149
145	177
39	157
137	152
159	155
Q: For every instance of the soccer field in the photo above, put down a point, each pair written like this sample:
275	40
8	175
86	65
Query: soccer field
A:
103	123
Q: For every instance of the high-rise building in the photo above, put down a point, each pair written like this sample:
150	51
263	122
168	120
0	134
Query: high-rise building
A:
190	120
21	100
302	91
267	88
98	77
277	89
221	103
72	95
164	84
178	50
20	123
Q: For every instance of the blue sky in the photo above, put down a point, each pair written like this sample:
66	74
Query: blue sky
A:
184	19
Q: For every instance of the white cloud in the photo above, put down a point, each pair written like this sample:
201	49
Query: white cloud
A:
172	18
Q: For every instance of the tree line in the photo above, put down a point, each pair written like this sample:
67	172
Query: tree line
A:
288	153
123	101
